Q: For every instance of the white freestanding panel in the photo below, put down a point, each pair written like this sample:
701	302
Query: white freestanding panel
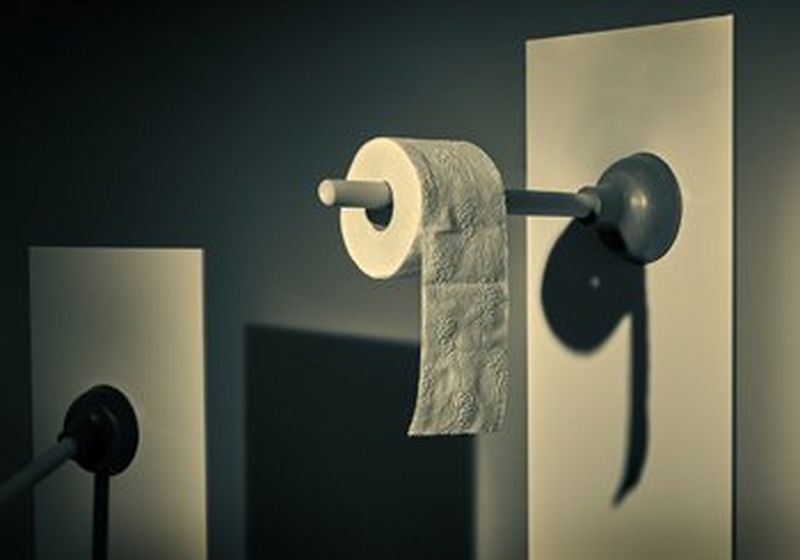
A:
608	343
132	318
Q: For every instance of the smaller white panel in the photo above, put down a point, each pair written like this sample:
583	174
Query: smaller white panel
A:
131	318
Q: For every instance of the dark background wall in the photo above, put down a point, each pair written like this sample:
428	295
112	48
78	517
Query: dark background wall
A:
209	124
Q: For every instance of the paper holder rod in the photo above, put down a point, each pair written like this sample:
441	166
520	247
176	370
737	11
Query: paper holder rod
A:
636	204
374	195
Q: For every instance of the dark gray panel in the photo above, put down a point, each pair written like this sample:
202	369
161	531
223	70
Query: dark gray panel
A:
331	472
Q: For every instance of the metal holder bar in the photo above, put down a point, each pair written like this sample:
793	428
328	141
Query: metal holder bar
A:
546	203
100	517
41	467
377	195
636	202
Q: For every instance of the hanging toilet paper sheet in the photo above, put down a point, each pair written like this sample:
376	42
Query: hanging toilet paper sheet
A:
448	219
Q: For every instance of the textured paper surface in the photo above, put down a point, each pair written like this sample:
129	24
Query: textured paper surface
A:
456	232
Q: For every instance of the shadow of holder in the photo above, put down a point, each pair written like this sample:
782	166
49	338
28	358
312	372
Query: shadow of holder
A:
586	291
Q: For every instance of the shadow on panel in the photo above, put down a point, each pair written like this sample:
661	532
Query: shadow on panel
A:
586	292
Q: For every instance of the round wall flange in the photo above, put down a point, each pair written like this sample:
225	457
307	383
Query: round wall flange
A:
640	207
103	424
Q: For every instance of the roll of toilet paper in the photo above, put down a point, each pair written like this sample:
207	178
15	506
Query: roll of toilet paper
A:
447	220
